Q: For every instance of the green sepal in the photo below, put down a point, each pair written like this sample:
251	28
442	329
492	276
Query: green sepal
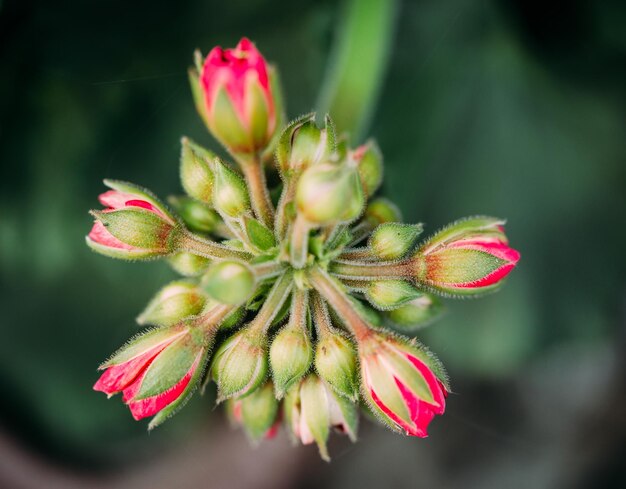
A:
142	194
256	106
290	356
336	363
226	126
172	303
139	228
283	147
416	314
260	236
315	411
198	95
188	264
466	227
230	194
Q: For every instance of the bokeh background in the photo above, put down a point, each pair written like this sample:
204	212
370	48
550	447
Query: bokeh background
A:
515	109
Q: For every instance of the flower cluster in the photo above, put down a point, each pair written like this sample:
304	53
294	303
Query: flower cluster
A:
294	299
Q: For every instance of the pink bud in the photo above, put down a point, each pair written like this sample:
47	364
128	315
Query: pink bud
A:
240	104
400	383
124	197
152	371
469	257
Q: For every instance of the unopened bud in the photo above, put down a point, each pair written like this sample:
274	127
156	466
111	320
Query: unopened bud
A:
240	364
259	235
197	216
303	144
176	301
229	282
230	194
471	256
416	313
240	99
188	264
381	210
336	363
257	413
369	161
311	409
390	294
290	355
195	171
393	240
329	193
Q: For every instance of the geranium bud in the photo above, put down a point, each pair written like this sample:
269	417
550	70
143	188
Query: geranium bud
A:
291	354
470	256
402	383
369	161
197	216
229	282
195	171
393	240
257	413
390	294
240	364
303	144
336	363
329	193
416	313
188	264
174	302
241	100
230	194
311	409
381	210
135	225
156	372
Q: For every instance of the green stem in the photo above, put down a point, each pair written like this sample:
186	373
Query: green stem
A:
211	320
274	301
299	244
373	270
268	269
280	221
334	294
321	318
254	174
192	243
356	254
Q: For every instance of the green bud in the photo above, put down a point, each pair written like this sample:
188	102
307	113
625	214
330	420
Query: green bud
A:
416	314
303	144
229	282
188	264
240	364
258	412
197	216
393	240
196	91
230	194
328	193
141	229
175	301
390	294
382	210
195	171
290	356
370	164
336	363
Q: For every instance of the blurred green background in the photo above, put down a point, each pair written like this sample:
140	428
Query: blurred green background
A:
513	109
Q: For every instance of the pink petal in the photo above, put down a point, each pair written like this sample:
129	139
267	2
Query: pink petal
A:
434	385
150	406
99	234
410	429
119	377
115	199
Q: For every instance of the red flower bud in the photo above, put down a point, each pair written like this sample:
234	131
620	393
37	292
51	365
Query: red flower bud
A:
240	104
468	257
154	372
134	224
403	384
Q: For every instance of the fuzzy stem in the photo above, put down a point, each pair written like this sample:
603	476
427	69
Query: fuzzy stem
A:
274	301
299	242
253	172
356	254
268	269
373	270
192	243
214	317
299	308
280	220
334	294
321	318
